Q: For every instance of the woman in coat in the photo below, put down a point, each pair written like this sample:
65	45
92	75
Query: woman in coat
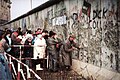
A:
40	46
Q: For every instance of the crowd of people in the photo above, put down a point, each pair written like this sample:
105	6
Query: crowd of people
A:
39	45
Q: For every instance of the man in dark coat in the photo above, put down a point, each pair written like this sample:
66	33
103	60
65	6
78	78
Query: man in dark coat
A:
52	52
28	50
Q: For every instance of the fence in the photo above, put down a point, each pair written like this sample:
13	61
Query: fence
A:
20	63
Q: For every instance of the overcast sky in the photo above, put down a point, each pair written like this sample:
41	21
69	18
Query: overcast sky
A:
20	7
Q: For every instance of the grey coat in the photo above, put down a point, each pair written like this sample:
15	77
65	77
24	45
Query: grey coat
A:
51	45
66	52
52	52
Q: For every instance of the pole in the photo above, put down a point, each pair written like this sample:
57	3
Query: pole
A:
18	76
31	4
10	64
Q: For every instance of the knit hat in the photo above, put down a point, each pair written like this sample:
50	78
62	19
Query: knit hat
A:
29	36
51	33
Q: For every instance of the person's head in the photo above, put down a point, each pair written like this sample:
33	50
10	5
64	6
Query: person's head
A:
8	33
52	34
38	34
29	37
19	38
29	32
15	34
44	32
19	30
6	29
24	32
39	30
71	37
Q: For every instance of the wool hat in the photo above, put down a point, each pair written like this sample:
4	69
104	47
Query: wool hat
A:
51	33
29	36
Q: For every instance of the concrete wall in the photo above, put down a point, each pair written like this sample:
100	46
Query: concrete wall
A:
96	26
92	72
4	11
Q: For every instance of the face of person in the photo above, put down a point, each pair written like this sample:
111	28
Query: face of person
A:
46	33
71	38
16	34
30	39
43	34
39	36
8	35
55	36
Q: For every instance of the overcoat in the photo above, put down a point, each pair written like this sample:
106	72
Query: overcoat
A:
66	52
39	48
52	52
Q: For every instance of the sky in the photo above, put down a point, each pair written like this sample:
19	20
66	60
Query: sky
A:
20	7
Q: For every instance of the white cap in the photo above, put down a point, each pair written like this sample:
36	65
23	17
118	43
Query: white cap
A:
29	36
20	37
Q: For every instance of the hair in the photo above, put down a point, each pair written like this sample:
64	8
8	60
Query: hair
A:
29	32
2	34
44	31
39	29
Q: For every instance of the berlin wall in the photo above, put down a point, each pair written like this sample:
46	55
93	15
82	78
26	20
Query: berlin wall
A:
95	24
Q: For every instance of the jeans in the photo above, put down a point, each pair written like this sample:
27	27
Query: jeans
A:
4	69
53	62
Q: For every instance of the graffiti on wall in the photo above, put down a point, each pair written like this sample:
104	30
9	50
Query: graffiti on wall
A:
86	8
59	20
110	28
94	25
93	54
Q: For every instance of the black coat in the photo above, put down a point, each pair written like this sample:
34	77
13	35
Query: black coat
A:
28	50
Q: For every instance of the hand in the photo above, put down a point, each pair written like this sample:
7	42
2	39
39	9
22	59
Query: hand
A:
57	45
30	44
79	46
73	48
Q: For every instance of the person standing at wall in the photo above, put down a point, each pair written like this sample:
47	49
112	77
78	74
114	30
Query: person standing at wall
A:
52	52
66	51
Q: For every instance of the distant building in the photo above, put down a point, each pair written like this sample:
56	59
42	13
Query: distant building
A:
4	11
